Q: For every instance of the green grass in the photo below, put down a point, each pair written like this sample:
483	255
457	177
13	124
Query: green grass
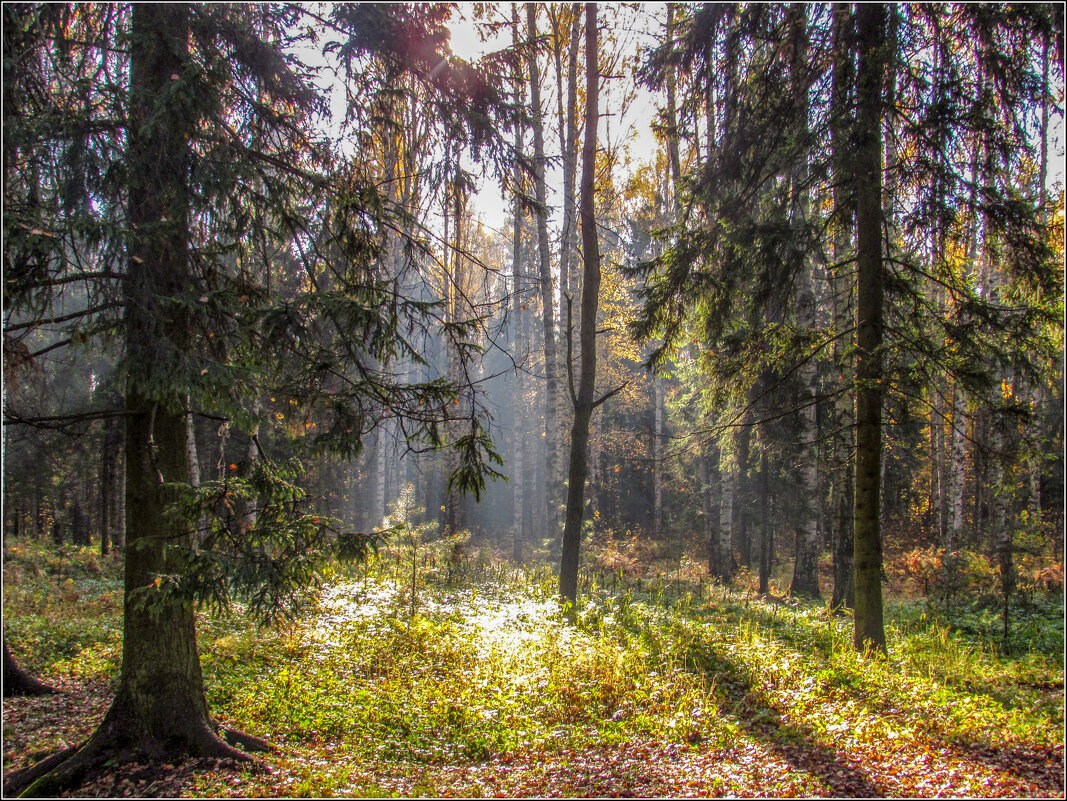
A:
63	609
488	666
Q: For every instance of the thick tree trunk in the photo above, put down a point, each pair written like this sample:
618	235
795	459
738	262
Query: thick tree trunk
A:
552	483
871	46
584	401
159	710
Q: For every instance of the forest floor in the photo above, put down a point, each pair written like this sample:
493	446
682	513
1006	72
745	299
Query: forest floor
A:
479	686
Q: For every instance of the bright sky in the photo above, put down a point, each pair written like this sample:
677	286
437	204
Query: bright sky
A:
632	30
631	125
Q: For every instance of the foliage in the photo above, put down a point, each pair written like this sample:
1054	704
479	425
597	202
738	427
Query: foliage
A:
690	687
63	609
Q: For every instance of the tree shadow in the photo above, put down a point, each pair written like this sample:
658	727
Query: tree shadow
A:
761	718
1041	765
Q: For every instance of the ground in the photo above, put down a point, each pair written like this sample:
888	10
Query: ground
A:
479	687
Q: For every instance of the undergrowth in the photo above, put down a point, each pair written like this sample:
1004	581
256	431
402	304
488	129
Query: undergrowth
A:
447	656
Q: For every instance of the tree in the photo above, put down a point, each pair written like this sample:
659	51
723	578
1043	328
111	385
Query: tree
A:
584	399
197	179
867	187
552	393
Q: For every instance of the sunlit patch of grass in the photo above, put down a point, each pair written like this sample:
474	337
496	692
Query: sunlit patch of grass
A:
367	698
470	676
488	666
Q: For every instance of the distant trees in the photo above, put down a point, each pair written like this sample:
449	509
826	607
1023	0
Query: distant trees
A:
747	234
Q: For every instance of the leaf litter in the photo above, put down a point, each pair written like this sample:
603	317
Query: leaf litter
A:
798	739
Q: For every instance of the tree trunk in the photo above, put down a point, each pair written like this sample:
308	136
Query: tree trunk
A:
710	490
806	567
79	526
842	508
519	419
108	475
18	681
743	494
380	509
584	401
766	544
657	457
552	483
957	472
725	547
871	45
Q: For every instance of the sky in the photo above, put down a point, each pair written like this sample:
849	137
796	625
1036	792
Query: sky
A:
631	124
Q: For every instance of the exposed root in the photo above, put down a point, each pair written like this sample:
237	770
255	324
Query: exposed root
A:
19	682
71	767
18	780
248	742
56	774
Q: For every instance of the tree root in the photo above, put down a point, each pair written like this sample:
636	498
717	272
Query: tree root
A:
248	742
69	768
18	780
19	682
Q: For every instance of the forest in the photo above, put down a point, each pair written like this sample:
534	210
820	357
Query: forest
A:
533	399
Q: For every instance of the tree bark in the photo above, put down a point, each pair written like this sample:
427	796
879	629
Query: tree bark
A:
727	483
871	45
109	471
545	259
806	566
842	507
584	401
766	541
519	426
20	682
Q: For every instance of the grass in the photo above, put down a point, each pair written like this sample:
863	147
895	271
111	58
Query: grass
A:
482	685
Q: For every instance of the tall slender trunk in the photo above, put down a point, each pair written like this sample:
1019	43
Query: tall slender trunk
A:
743	493
519	422
552	483
806	567
109	480
957	472
725	546
871	46
766	541
1035	390
657	457
584	402
842	506
568	142
710	495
